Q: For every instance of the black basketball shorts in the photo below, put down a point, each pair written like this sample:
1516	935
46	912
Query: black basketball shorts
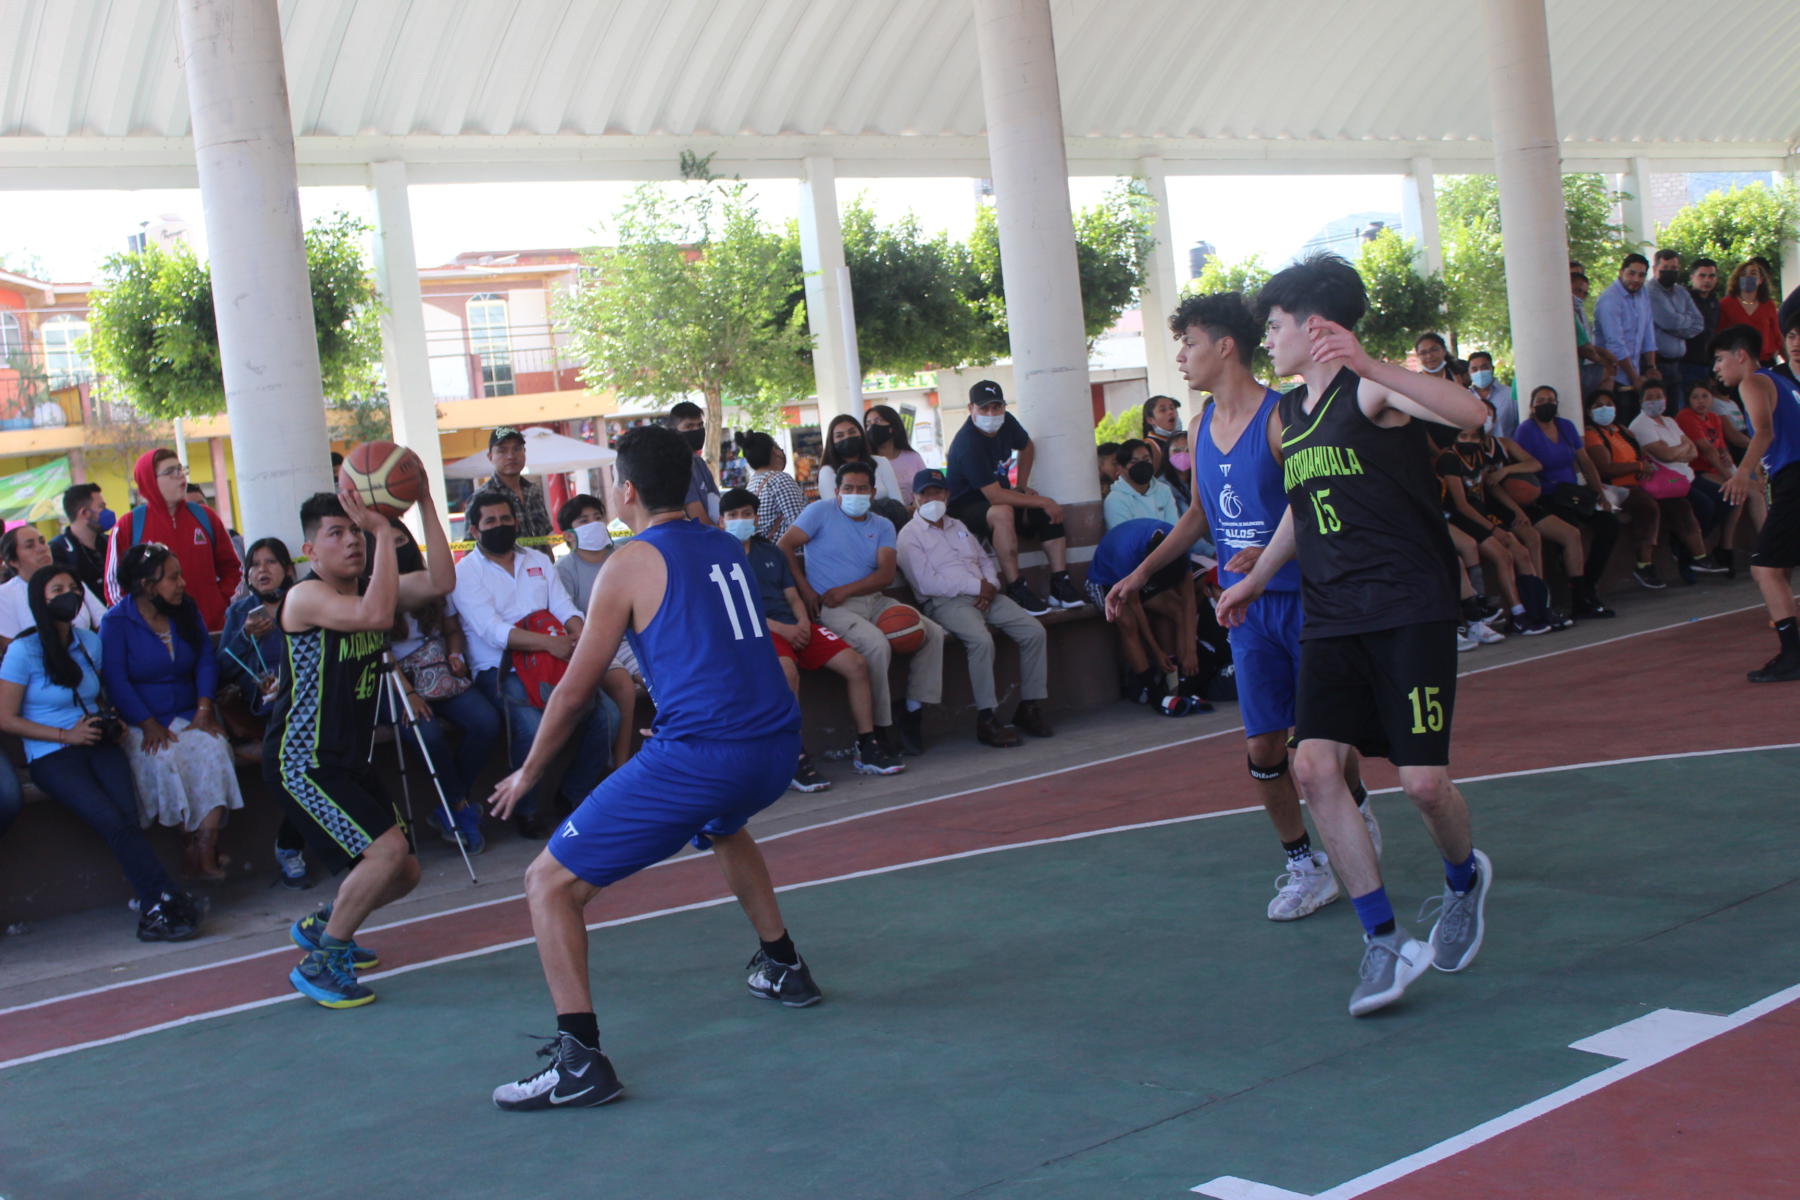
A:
1390	693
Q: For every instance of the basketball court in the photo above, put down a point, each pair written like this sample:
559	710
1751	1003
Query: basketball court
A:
1062	986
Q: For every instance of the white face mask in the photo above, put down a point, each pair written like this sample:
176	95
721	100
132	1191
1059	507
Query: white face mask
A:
1481	379
1654	408
854	504
592	536
932	510
741	528
989	424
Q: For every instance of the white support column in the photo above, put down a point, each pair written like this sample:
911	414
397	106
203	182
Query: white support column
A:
403	347
244	150
1790	245
830	317
1528	163
1424	198
1023	103
1638	225
1161	293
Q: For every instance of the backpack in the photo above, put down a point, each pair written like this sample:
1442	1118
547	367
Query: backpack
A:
140	517
538	670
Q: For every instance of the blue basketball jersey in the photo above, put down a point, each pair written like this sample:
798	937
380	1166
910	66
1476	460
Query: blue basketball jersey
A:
706	656
1243	491
1784	449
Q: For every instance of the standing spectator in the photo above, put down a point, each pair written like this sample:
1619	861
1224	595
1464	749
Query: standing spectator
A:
851	558
1677	318
1002	512
960	588
1747	302
689	420
1573	491
1157	625
498	586
506	453
1720	444
1659	436
50	697
82	545
1625	325
1596	365
194	532
25	553
779	498
161	675
892	444
846	441
1498	396
1703	289
1138	493
584	525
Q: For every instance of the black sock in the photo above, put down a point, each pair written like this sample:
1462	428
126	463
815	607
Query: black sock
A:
1473	609
1383	929
782	950
1789	632
986	714
1296	851
583	1027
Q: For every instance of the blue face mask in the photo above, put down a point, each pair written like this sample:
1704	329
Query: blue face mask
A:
854	505
1481	378
106	520
1604	414
741	528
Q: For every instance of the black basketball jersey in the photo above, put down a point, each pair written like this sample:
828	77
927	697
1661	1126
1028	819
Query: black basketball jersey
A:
330	691
1369	527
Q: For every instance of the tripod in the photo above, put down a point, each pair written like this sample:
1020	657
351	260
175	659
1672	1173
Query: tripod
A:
393	694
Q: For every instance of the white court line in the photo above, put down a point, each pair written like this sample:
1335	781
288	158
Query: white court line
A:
874	812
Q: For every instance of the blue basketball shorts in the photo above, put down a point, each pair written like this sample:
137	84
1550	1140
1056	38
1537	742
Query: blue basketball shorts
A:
670	793
1265	650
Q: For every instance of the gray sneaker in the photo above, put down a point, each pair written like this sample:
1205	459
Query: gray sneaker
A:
1389	963
1460	922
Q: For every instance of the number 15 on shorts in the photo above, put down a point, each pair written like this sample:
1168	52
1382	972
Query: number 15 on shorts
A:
1428	710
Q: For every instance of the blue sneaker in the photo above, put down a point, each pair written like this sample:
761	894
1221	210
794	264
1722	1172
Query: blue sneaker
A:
468	827
441	825
307	931
293	867
328	977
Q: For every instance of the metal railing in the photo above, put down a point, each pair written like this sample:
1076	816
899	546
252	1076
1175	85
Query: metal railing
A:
42	391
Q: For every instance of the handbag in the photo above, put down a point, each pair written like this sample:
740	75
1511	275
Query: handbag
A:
1573	499
1665	483
428	670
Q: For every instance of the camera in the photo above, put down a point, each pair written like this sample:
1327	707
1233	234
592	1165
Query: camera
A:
111	727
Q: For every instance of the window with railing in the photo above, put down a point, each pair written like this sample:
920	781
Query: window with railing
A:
490	339
12	338
65	358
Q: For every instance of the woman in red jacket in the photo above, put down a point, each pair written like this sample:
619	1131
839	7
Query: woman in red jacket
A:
1747	302
193	531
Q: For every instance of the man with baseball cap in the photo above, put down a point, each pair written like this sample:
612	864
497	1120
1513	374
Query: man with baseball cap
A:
506	451
959	588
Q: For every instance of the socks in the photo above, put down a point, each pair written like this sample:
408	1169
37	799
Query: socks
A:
782	950
327	942
1460	876
1536	595
1788	630
1478	581
1299	853
914	705
583	1027
985	714
1375	913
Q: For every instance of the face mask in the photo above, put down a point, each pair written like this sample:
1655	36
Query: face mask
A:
1182	461
1748	284
933	510
65	607
1544	412
164	607
1437	370
1654	408
1666	278
1140	472
407	558
499	539
274	596
741	528
989	424
880	435
106	520
592	536
1604	414
854	504
695	438
850	447
1174	425
1481	378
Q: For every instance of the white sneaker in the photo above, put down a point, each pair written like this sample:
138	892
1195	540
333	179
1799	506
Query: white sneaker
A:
1464	643
1372	825
1304	889
1481	632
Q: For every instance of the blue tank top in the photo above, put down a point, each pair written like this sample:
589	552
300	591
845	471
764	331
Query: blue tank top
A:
1243	492
706	655
1784	448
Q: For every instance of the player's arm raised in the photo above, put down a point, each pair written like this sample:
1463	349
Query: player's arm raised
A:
1411	392
439	576
315	604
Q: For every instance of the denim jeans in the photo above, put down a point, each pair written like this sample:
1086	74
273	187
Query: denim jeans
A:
593	735
95	781
12	799
459	754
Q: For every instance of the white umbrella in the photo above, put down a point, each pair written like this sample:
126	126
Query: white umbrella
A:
546	453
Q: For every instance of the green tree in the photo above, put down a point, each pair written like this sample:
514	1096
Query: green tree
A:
1402	302
1732	226
1119	427
909	294
154	335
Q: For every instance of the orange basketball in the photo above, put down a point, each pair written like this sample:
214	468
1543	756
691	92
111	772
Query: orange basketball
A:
388	478
904	627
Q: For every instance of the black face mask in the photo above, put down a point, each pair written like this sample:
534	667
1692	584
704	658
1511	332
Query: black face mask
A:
65	607
850	447
1666	278
695	438
880	435
1545	411
273	597
165	608
499	539
1141	472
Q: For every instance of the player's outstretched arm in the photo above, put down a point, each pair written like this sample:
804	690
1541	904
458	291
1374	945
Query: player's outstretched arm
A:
1411	392
439	576
1188	530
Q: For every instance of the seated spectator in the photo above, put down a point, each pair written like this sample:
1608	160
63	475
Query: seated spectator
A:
506	454
960	588
1515	490
689	420
846	442
1159	422
1001	511
1571	489
160	673
50	697
779	498
887	439
1662	439
1468	506
1139	493
1721	446
1747	302
1157	626
82	544
25	553
194	532
1179	471
1626	469
850	561
499	585
804	645
583	522
1109	466
1484	383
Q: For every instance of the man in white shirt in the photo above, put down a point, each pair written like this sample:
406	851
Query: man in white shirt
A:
497	586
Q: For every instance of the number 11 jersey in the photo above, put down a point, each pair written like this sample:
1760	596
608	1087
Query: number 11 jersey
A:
706	655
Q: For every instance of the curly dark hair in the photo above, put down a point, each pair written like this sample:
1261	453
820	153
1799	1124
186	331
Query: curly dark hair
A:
1222	315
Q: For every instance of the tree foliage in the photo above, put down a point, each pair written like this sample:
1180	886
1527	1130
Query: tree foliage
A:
1402	302
908	294
1732	226
1120	426
1245	276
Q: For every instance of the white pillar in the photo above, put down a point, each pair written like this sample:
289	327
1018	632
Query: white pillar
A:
1790	245
837	370
1638	225
1424	200
1030	167
1527	160
1161	292
244	149
403	348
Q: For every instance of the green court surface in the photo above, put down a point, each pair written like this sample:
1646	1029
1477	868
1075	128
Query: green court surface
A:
1110	1016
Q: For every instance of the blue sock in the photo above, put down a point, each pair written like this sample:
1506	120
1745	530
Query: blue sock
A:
1375	913
327	942
1460	876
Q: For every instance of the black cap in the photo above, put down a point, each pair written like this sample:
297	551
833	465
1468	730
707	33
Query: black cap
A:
986	392
930	477
505	433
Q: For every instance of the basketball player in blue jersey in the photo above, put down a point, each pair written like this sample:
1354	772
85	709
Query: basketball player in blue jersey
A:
726	738
1772	459
1237	477
1378	583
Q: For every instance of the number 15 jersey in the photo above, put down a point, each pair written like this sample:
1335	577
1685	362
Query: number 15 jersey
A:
706	655
1373	548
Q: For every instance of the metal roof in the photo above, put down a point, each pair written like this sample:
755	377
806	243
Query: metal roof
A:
493	89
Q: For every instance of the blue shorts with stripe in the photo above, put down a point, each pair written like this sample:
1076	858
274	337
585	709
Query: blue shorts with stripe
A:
672	792
1265	655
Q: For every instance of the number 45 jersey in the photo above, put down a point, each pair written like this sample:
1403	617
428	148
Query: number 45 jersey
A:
1373	547
706	655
